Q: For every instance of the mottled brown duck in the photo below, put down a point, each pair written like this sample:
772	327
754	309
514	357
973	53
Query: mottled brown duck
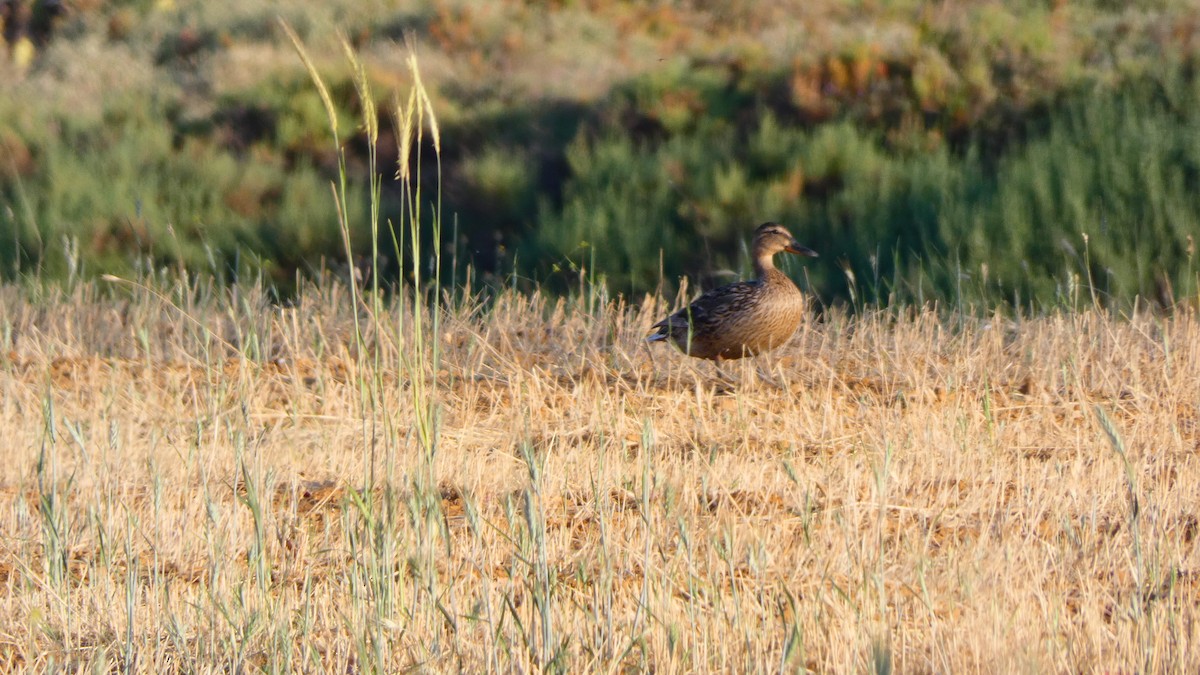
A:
744	318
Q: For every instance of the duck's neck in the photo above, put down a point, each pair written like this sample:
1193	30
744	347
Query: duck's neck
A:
764	265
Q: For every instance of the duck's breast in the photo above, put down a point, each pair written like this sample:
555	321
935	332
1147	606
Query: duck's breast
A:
774	322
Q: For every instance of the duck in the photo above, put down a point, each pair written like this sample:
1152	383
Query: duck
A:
746	318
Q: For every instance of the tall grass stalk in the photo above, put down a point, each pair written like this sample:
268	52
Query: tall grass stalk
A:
1140	597
370	125
415	340
339	197
413	118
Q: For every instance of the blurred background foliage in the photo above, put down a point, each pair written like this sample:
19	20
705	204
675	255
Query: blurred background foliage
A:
1035	153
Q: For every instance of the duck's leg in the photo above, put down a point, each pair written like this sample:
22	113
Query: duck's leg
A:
766	376
727	382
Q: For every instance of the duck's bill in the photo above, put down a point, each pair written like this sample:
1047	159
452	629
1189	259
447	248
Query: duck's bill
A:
801	250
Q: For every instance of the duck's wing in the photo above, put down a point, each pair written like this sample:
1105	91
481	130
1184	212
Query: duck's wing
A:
709	311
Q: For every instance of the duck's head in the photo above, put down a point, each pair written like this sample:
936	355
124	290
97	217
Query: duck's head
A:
772	238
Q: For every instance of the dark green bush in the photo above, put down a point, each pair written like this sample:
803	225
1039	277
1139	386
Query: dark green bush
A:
984	224
128	189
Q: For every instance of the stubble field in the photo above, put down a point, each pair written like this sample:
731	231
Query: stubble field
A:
197	480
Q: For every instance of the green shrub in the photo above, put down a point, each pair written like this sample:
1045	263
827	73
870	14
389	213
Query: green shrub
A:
128	189
981	225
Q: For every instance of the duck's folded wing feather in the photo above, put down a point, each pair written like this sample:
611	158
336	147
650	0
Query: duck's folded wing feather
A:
710	309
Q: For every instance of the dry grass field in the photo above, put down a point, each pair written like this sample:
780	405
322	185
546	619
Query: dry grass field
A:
196	480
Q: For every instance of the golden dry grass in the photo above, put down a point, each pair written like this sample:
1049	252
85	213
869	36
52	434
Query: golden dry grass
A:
926	494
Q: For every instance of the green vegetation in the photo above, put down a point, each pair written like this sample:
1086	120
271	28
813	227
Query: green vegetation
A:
973	153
